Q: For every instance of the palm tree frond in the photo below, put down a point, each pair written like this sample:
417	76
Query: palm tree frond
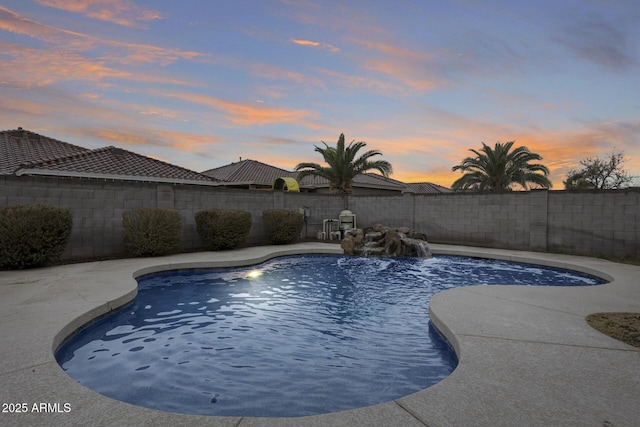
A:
499	169
343	165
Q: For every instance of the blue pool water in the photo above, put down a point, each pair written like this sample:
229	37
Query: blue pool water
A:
290	337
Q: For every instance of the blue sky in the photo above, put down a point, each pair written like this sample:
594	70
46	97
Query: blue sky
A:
202	83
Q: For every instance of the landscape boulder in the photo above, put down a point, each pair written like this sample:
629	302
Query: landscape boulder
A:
384	241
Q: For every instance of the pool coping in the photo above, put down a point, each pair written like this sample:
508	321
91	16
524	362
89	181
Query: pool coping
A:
526	355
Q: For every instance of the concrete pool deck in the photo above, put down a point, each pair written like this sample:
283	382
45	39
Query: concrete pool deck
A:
526	354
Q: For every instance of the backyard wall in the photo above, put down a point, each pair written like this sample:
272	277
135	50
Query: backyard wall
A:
587	222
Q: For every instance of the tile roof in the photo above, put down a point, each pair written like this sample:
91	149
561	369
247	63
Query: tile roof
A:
248	171
27	153
254	172
112	162
375	179
371	180
426	188
21	146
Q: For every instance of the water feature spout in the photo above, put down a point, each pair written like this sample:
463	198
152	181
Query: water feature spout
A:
417	246
383	241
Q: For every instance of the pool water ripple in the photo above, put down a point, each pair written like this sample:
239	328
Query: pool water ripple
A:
293	336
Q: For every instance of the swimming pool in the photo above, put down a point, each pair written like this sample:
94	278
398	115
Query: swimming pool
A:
292	336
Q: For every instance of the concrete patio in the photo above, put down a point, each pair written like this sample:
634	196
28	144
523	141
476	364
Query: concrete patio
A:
526	354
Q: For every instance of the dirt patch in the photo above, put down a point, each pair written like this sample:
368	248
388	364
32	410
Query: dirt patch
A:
621	326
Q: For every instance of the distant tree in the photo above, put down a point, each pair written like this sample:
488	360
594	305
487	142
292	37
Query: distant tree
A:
499	169
599	174
343	166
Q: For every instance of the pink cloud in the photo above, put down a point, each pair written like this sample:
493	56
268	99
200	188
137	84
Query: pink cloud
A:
29	67
121	12
15	23
410	68
110	50
320	45
273	72
131	136
391	50
359	81
247	114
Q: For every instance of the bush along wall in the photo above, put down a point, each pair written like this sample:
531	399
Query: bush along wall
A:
33	235
222	229
282	227
152	231
589	222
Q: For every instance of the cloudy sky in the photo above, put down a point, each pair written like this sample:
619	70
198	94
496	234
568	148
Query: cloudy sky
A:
201	83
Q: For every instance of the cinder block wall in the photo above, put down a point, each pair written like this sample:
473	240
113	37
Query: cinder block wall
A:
98	205
595	223
474	219
590	223
514	220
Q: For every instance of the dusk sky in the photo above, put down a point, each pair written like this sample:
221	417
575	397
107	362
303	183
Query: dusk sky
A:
201	83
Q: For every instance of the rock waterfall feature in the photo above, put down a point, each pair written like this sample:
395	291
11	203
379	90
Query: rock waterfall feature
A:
381	241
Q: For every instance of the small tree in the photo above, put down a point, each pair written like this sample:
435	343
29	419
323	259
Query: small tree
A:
599	174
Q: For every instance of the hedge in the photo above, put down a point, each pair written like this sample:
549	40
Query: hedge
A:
282	226
33	235
152	231
223	229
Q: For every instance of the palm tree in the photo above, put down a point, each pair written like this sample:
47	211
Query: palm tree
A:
498	169
343	165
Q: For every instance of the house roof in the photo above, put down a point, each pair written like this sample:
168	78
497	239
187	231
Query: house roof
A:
426	188
377	180
248	172
28	153
21	146
113	163
254	172
368	180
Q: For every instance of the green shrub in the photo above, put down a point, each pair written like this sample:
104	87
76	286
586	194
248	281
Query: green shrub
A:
282	226
223	229
33	235
152	231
